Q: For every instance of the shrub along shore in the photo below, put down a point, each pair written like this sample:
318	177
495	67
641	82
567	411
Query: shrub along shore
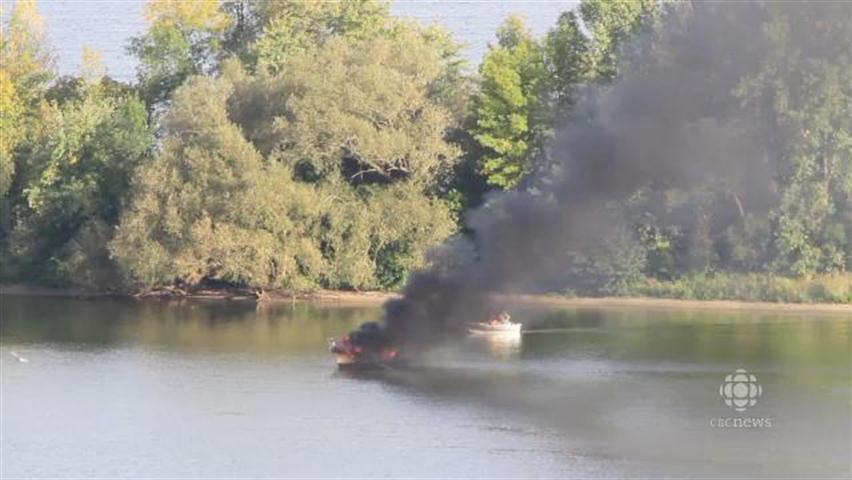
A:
831	293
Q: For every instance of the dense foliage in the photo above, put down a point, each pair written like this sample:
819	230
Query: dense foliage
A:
285	171
305	145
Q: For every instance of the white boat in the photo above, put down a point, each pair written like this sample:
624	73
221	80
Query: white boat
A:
494	328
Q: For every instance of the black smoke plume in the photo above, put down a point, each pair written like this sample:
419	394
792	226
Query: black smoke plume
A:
671	120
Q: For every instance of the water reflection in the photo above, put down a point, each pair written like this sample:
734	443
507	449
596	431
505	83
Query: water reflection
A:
499	346
183	326
632	337
649	336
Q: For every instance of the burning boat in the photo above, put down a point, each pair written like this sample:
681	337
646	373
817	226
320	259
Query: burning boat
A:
368	347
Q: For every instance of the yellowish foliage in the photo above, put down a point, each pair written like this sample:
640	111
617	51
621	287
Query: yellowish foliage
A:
194	14
92	69
23	41
25	67
11	110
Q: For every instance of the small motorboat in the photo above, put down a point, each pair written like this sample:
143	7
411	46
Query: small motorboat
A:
500	324
499	329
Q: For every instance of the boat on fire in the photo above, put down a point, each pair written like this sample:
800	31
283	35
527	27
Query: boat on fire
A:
366	348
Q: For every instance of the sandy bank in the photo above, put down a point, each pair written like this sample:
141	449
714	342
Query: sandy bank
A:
672	303
332	296
377	298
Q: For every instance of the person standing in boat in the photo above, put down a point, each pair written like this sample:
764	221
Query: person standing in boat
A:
499	318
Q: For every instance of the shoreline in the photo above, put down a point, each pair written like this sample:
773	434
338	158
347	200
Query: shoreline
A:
374	298
676	303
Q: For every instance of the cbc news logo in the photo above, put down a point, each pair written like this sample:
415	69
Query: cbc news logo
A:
740	390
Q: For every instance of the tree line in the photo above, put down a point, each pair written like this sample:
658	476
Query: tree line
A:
303	145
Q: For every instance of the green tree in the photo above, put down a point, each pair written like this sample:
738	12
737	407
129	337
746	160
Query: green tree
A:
509	109
209	207
611	25
612	267
360	109
374	236
529	87
297	28
367	123
184	39
248	19
567	61
806	82
792	214
78	168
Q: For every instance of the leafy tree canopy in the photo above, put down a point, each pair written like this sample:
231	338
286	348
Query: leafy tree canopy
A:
81	155
208	206
297	28
183	40
508	109
361	109
530	86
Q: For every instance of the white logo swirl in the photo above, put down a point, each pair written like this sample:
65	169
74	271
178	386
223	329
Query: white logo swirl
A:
740	390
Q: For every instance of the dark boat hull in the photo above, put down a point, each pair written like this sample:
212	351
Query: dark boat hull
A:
350	362
363	366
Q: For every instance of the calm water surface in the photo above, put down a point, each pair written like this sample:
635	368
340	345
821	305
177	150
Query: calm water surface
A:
122	388
108	25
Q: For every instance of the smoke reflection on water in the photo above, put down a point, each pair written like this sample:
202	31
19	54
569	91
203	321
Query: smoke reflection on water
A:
489	372
648	417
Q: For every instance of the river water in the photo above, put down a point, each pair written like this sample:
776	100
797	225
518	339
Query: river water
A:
108	25
150	389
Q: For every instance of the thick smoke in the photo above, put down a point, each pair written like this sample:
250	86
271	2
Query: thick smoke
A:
672	120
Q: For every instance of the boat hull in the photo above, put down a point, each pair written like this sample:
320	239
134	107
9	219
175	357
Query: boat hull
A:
488	329
362	366
347	361
343	359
